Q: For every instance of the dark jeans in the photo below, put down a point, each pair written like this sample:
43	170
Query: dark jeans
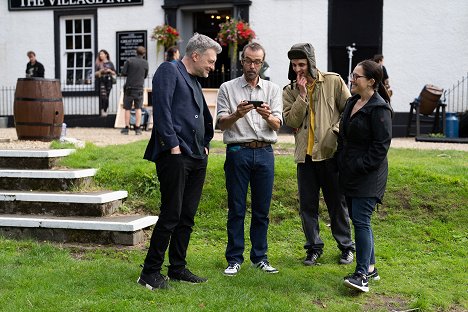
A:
181	181
311	177
105	87
243	166
360	209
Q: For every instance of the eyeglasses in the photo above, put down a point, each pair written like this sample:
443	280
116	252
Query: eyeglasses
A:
249	62
355	76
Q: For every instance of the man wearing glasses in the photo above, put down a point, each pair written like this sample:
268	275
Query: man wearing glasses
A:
313	103
249	110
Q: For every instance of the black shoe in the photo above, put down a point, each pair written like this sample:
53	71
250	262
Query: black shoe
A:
374	275
357	281
137	131
124	131
153	281
311	258
347	257
186	276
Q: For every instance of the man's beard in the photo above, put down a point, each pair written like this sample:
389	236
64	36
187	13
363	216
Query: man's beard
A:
250	75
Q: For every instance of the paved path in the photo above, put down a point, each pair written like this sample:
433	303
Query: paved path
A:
109	136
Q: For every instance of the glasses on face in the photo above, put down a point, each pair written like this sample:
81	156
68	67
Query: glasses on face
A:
249	62
355	76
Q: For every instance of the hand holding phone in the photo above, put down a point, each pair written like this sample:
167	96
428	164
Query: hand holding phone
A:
256	104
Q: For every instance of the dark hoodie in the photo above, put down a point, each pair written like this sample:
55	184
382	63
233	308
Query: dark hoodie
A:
363	143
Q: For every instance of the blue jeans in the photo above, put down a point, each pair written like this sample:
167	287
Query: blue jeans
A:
243	166
360	210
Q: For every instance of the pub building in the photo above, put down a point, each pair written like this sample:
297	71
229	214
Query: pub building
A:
423	41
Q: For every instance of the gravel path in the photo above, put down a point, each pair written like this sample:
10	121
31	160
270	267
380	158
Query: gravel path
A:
111	136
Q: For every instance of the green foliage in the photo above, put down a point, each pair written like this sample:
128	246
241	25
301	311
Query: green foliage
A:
420	233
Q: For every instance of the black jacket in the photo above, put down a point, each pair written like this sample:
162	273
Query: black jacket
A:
177	115
363	143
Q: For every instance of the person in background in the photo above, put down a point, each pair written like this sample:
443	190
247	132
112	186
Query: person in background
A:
172	54
363	143
249	132
379	59
313	103
34	69
104	71
183	128
136	70
265	71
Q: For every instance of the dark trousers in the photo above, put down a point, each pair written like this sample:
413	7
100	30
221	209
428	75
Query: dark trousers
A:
244	166
105	87
311	177
181	181
360	209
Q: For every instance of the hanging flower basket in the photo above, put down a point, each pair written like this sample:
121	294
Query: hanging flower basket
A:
233	33
165	36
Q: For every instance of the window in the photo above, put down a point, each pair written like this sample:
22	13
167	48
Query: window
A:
77	46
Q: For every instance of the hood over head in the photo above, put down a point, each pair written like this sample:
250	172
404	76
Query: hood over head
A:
302	51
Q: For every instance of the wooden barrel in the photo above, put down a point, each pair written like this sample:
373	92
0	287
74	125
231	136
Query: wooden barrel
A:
38	109
429	99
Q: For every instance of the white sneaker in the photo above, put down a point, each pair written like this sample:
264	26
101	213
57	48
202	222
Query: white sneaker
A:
265	267
232	269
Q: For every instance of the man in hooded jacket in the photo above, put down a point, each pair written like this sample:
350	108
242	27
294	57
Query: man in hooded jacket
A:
312	104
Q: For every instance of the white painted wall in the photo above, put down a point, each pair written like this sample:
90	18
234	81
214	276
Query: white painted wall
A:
21	31
424	41
146	17
279	24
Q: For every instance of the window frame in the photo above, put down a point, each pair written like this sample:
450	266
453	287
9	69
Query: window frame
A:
60	55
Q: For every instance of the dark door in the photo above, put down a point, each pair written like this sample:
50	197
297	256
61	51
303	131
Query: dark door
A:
207	23
359	22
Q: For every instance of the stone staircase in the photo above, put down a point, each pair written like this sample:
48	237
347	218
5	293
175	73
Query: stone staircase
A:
38	202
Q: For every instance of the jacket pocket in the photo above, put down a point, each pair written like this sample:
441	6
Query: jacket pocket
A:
329	143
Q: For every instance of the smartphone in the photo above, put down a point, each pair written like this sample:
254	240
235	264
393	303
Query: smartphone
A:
256	103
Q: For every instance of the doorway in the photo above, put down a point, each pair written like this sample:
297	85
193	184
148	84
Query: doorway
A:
207	23
358	22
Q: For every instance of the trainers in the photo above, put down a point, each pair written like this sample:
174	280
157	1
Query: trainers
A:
357	281
124	131
153	281
232	269
138	131
185	275
311	258
374	275
265	267
347	257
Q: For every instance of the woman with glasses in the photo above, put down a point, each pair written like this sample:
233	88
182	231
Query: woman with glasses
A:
363	143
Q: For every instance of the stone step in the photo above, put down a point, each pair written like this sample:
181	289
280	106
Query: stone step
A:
32	159
118	230
46	180
93	204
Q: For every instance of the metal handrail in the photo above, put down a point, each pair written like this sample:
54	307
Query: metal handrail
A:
456	97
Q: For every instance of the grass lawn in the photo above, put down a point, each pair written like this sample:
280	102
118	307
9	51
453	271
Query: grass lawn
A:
421	237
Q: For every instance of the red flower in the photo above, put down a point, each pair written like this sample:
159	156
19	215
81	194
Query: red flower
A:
165	35
234	31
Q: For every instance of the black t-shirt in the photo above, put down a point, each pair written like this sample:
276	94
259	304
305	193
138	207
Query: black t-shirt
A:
385	74
198	148
36	70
